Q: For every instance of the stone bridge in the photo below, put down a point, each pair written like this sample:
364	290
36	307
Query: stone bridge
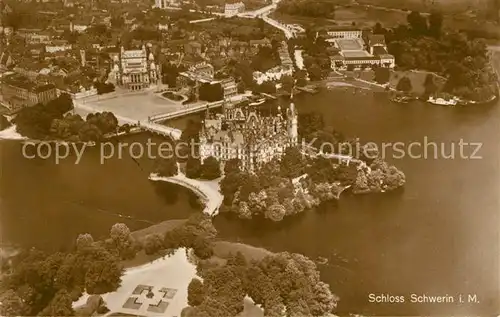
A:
188	110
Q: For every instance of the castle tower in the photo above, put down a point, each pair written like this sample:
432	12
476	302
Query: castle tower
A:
292	125
82	57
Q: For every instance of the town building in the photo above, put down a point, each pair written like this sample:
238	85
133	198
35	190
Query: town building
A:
242	133
232	9
358	52
135	69
229	88
201	72
343	32
19	92
164	4
273	74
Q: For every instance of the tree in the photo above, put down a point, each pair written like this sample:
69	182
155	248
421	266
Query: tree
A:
196	292
90	132
11	304
123	241
104	88
193	168
153	243
435	24
60	305
292	163
404	85
378	29
232	166
103	276
417	22
275	212
287	83
210	168
203	248
84	241
167	167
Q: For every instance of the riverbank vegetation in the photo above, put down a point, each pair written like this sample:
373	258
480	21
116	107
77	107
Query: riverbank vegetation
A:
53	122
424	44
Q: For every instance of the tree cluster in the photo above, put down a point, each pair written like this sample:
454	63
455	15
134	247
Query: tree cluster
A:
422	44
104	88
379	178
35	122
210	169
284	283
197	233
50	122
47	284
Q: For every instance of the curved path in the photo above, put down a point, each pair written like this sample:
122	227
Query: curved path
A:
208	191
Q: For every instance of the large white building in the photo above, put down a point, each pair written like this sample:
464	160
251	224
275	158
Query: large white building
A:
354	51
344	33
135	69
232	9
242	133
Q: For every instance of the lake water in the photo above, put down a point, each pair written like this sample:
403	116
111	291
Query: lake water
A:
439	236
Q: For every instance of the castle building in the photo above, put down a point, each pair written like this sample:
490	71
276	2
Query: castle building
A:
134	69
241	132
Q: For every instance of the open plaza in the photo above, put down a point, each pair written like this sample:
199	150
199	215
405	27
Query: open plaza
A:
136	106
158	288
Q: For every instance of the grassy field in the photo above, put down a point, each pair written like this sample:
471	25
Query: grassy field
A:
223	249
160	228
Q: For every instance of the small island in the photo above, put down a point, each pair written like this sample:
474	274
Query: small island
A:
264	172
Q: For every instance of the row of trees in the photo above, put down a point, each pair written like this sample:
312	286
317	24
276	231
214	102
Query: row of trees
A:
284	282
314	9
210	169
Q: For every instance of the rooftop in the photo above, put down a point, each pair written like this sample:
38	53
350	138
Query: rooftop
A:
355	54
341	28
379	50
349	44
375	39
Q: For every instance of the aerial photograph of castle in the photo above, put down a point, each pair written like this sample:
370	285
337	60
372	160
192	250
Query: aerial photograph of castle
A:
249	158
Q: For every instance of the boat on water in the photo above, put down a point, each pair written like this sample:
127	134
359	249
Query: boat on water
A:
321	260
402	99
444	101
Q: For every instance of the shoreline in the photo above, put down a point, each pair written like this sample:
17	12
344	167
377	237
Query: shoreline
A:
208	191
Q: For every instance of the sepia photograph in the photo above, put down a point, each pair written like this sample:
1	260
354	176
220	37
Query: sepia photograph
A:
250	158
